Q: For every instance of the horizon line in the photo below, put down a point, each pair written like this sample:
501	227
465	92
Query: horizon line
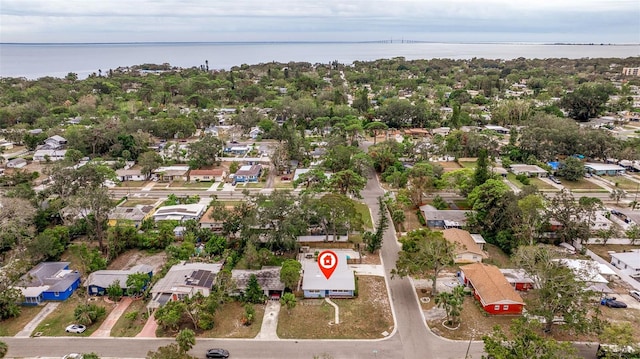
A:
387	41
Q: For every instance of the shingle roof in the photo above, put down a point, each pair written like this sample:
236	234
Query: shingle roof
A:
268	278
463	240
490	284
104	278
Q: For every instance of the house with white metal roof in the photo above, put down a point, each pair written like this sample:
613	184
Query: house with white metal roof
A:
341	284
180	212
602	169
627	262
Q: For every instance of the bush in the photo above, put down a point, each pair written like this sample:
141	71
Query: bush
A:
523	179
421	218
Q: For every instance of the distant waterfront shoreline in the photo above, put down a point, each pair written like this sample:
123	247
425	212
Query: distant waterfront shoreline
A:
32	61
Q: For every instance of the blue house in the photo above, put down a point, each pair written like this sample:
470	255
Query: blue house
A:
98	281
341	284
248	174
48	281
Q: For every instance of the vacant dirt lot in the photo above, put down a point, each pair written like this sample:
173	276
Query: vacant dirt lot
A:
135	257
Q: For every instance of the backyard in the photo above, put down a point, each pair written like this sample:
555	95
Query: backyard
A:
367	316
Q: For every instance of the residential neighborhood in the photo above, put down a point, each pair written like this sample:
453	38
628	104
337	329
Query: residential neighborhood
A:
454	201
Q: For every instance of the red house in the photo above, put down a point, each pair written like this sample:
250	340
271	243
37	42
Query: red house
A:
491	289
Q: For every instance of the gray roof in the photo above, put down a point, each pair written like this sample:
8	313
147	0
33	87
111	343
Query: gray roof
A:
431	213
342	278
104	278
631	259
187	275
136	213
51	276
268	278
252	170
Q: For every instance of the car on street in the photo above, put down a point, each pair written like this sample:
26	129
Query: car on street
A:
73	356
75	328
611	302
635	294
217	353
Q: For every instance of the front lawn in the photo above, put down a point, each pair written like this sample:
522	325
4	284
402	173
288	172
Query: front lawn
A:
542	185
10	327
183	184
228	322
603	250
582	184
54	325
364	317
129	327
623	183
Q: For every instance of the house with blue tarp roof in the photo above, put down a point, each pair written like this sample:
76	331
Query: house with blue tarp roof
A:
48	281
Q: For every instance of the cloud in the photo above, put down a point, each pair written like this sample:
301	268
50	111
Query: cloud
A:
250	20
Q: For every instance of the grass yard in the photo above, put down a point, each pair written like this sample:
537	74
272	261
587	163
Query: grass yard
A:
542	185
623	183
254	185
364	317
474	322
512	178
125	327
497	257
468	164
11	327
602	250
133	184
228	322
132	202
582	184
56	322
363	209
184	184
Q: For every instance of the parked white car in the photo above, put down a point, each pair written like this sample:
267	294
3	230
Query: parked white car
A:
76	328
635	294
73	356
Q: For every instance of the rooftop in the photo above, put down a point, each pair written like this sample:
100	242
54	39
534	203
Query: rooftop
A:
631	259
463	240
490	284
104	278
342	278
268	278
187	275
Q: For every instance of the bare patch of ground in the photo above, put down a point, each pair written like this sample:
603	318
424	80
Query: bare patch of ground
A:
134	257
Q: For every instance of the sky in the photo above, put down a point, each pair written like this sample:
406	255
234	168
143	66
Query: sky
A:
68	21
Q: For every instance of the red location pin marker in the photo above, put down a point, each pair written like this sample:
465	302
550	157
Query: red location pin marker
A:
328	262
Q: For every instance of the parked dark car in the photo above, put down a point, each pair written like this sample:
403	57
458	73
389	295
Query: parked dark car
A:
612	303
217	353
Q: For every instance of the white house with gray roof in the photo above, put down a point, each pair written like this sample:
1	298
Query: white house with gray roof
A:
180	212
341	284
627	262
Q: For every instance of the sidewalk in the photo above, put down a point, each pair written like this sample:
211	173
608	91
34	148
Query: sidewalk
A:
149	330
112	319
31	326
268	330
